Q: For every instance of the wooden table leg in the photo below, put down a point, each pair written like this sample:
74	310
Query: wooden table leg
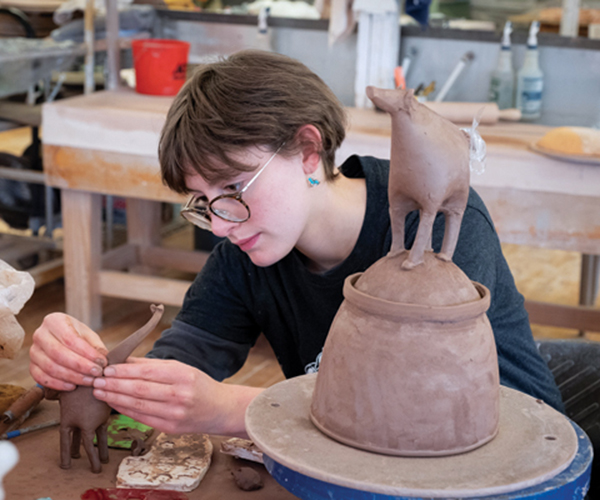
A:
143	226
81	214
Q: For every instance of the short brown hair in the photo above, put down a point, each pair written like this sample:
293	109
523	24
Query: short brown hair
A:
252	98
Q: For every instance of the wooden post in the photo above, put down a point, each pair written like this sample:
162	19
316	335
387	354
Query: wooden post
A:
378	47
82	253
569	22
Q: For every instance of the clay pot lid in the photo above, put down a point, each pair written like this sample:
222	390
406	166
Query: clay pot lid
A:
433	283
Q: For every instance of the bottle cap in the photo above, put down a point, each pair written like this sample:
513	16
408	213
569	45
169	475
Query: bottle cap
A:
533	31
506	35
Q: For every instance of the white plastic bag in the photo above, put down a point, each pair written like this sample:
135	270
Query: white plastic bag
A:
16	287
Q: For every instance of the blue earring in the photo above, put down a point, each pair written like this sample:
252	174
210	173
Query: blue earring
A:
313	182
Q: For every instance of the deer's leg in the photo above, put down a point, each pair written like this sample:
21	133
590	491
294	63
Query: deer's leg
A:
76	443
422	240
102	441
65	446
398	219
451	231
92	453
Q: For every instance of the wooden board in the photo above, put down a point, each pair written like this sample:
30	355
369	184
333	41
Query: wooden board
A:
38	475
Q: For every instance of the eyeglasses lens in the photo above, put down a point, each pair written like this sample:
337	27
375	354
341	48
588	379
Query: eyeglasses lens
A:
230	209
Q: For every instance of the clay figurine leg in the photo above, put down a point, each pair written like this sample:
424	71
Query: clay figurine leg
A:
415	256
76	443
453	221
88	444
102	442
398	219
65	447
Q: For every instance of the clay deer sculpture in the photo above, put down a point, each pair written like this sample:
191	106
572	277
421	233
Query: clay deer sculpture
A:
429	171
82	415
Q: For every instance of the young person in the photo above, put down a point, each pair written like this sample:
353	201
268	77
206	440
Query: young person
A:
252	139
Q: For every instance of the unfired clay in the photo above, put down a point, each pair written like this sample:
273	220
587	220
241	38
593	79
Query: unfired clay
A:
247	479
410	366
82	416
429	172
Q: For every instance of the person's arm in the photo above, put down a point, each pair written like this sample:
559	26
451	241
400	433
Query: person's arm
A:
174	397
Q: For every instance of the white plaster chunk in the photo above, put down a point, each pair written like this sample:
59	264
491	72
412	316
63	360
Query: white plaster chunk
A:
242	448
175	462
16	287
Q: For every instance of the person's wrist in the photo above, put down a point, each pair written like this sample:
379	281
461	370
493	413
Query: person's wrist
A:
234	404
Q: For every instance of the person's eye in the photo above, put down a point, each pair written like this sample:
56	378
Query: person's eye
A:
200	200
235	187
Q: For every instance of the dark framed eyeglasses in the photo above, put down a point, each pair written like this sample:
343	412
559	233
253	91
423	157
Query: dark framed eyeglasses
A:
230	207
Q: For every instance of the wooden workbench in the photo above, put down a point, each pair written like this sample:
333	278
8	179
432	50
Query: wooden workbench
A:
106	143
38	475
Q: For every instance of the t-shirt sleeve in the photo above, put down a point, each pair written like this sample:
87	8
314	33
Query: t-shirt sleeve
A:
215	328
479	255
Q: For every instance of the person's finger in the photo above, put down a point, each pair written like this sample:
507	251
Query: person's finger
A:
51	356
49	381
89	335
61	327
156	370
139	389
128	404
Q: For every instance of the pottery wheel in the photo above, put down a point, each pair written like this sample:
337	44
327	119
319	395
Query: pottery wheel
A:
534	443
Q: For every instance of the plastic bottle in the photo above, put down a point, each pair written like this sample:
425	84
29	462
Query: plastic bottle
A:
530	79
502	87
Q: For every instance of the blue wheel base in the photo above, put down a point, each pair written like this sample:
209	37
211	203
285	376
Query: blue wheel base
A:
572	483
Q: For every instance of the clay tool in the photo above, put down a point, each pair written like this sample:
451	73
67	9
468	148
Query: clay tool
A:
26	430
21	408
464	60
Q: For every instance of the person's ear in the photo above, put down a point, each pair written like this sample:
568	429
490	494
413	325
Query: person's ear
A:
309	140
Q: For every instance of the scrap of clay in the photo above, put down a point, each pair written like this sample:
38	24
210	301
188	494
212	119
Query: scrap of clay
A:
247	479
175	462
242	448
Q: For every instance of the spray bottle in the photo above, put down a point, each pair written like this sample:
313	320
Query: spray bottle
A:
502	87
530	79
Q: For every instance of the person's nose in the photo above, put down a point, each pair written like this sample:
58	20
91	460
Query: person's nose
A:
220	227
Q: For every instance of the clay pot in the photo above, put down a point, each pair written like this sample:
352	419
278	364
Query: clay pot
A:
409	379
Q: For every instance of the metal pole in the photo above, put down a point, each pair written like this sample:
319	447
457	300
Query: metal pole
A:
88	37
588	284
112	45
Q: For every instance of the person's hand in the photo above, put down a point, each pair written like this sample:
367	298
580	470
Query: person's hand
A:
174	397
65	353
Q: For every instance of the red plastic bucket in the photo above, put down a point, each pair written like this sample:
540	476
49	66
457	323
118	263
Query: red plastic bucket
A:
160	65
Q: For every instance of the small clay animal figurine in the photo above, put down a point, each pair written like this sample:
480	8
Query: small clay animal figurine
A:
429	171
82	415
